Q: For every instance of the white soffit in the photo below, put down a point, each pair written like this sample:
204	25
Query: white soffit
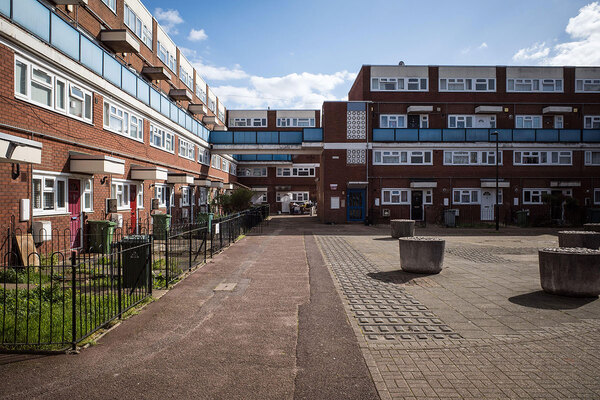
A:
202	182
565	184
556	109
216	184
418	185
15	149
96	164
492	184
150	173
414	109
180	178
488	109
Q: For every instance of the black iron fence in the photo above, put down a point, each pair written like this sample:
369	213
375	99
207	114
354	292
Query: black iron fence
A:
53	297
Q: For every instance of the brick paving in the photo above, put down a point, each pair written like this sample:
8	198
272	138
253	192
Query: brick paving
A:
504	338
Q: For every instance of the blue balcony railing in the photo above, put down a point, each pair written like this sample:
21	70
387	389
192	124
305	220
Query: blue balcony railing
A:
267	137
44	23
486	135
263	157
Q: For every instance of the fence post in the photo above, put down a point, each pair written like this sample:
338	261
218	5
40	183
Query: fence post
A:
73	300
151	263
120	277
190	250
166	258
212	234
204	234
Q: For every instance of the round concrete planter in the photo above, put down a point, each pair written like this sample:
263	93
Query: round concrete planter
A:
570	271
402	228
422	255
592	227
585	239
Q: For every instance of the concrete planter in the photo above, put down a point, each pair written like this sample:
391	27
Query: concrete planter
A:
585	239
422	255
402	228
570	271
592	227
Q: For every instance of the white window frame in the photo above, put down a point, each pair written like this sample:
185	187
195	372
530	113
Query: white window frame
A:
70	89
559	122
295	122
87	192
589	157
470	193
164	136
405	157
535	85
165	56
296	172
201	92
215	161
248	122
185	196
400	84
591	122
523	119
187	149
392	120
474	157
596	196
580	85
54	178
203	156
534	192
388	195
186	78
128	119
232	169
468	84
253	172
135	24
111	4
551	157
125	188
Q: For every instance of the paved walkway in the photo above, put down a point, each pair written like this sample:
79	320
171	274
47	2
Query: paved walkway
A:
322	312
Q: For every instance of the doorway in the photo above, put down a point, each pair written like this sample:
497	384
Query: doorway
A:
416	205
356	205
133	205
556	205
285	202
488	199
75	212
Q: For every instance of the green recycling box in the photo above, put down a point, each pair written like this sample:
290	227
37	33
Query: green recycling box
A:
135	261
161	223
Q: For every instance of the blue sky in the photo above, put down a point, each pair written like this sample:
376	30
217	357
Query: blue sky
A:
299	53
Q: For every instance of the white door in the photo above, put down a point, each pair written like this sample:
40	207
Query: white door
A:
488	198
285	202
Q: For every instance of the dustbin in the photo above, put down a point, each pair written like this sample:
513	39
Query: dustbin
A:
522	217
450	218
100	235
135	258
161	223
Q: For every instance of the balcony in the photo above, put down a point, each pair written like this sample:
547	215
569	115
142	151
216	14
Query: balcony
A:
120	41
156	73
197	109
70	2
180	94
307	141
209	119
263	157
485	135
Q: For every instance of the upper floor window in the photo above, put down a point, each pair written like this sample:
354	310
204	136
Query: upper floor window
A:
133	21
296	171
592	158
591	122
542	157
528	122
42	87
185	77
392	121
253	171
246	122
400	157
399	84
215	161
203	156
534	85
112	4
471	157
232	169
212	104
587	85
471	121
224	165
467	85
120	120
161	138
201	92
165	56
559	122
186	149
295	122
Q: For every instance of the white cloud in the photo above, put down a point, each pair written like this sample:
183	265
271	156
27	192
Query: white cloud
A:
168	19
483	45
197	35
584	49
189	53
214	73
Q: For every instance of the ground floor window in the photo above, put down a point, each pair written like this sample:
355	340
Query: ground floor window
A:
465	196
596	196
49	194
163	193
534	196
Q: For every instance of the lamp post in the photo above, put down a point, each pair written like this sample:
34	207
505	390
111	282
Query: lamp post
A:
496	206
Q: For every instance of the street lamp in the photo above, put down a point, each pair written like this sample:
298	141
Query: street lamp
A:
496	206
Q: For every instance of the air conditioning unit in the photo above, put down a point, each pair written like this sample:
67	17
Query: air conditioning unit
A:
42	231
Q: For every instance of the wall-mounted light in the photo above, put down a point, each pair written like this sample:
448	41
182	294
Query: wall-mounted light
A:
103	180
150	186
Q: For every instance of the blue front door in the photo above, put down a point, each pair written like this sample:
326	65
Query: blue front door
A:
356	204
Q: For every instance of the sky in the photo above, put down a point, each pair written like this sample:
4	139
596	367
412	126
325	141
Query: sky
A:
299	53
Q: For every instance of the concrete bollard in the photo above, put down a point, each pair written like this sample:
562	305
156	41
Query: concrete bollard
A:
570	271
402	228
585	239
423	255
592	227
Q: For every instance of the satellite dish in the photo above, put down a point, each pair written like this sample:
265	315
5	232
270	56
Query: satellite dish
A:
401	63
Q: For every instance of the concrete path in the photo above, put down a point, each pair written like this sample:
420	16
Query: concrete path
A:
272	337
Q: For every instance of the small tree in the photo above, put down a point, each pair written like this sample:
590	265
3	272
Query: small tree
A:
241	199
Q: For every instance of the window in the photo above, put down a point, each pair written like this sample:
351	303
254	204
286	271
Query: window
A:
161	193
534	85
215	161
201	92
542	157
262	198
465	196
472	157
224	165
399	84
185	196
232	169
204	156
467	85
424	121
295	122
212	105
167	58
185	77
528	122
88	196
591	122
252	171
244	122
112	4
400	157
300	197
395	196
558	122
392	121
460	121
135	24
119	120
587	85
534	196
49	194
44	88
596	196
592	158
296	171
186	149
161	138
120	191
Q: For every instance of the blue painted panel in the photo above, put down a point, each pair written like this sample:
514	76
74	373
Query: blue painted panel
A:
313	135
282	157
64	37
407	135
264	157
590	135
524	135
546	135
129	82
453	135
478	135
430	135
5	7
504	135
33	16
143	91
165	106
155	99
383	135
357	106
570	135
221	137
91	55
244	137
112	70
290	137
267	137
